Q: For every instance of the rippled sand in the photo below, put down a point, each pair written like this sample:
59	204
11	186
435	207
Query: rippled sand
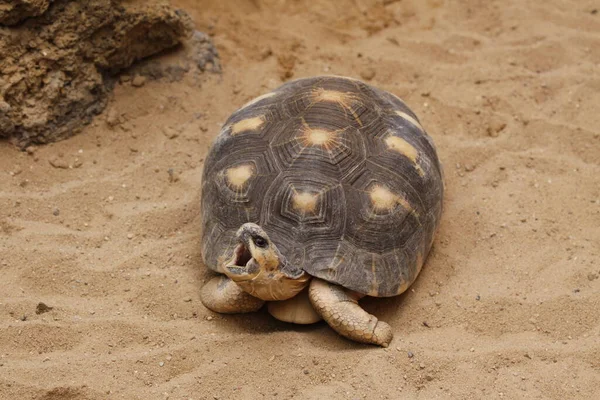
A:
507	306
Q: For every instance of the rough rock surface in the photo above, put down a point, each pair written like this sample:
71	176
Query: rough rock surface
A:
14	11
58	67
198	53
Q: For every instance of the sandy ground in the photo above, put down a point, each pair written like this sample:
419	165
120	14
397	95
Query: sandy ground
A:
507	306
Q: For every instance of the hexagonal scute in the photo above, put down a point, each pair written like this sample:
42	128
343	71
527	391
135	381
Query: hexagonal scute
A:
299	208
233	190
317	147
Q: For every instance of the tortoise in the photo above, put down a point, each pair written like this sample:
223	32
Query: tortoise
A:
315	195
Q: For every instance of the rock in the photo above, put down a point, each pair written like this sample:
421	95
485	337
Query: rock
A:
202	52
138	81
495	127
198	54
58	68
367	74
14	11
6	124
59	163
112	117
42	308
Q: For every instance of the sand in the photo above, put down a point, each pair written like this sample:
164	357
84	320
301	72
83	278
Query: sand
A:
507	305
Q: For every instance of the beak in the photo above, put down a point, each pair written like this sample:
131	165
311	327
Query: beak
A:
242	266
241	256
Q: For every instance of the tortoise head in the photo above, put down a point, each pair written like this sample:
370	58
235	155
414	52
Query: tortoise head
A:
260	269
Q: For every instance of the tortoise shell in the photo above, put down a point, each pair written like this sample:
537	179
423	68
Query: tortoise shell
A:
340	175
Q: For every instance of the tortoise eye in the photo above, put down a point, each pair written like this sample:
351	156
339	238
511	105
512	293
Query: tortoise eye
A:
260	242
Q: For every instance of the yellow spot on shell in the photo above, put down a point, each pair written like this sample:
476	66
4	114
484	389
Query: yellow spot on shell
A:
401	146
318	137
331	95
249	124
409	119
238	176
402	288
341	98
419	262
374	289
305	202
383	199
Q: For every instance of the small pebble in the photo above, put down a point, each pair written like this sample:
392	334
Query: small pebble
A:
42	308
172	176
130	236
138	81
161	363
495	128
367	74
59	163
410	354
56	212
478	297
209	318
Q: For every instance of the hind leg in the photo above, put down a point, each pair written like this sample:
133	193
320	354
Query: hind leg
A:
224	296
339	307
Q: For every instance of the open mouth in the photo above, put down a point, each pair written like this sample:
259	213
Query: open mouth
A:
242	255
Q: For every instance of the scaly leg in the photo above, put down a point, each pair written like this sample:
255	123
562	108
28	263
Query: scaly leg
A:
339	307
222	295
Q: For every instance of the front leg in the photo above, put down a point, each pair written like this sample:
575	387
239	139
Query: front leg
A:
339	307
224	296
